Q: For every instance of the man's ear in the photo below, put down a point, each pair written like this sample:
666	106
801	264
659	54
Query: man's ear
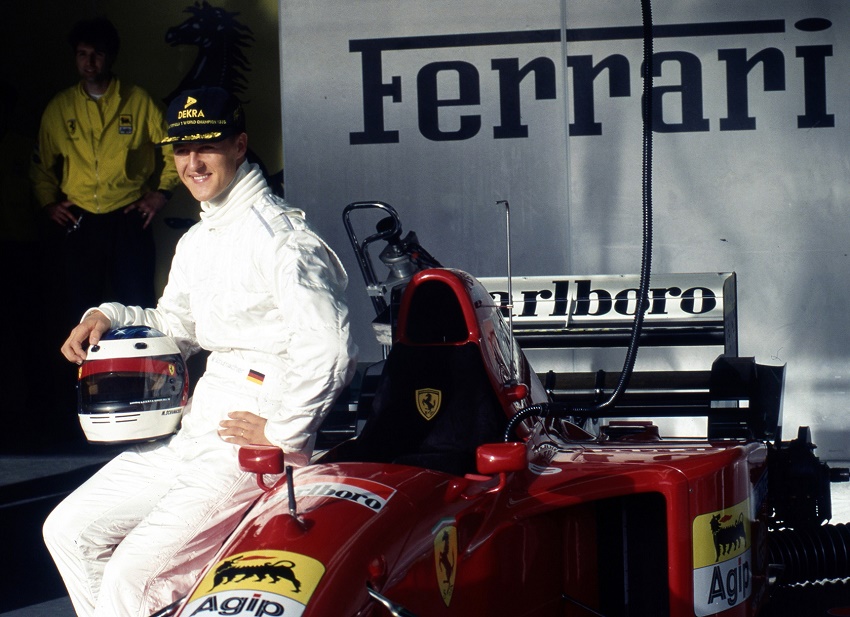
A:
242	143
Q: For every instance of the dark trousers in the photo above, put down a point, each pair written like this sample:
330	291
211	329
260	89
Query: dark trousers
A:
109	258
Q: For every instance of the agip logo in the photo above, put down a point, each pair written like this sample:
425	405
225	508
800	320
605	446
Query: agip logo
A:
257	584
125	124
722	558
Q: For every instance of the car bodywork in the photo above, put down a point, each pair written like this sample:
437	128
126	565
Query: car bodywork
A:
433	507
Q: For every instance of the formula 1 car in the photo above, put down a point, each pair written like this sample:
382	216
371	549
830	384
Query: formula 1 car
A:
466	482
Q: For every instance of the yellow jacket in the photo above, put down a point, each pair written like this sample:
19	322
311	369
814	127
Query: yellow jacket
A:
100	154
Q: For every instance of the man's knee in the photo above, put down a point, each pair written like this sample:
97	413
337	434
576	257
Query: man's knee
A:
56	531
67	530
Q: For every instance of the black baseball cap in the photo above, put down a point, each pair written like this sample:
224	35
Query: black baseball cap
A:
203	115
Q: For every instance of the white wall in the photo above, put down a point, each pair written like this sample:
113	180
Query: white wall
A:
749	174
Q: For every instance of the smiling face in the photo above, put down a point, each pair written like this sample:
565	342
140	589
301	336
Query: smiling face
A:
208	168
94	67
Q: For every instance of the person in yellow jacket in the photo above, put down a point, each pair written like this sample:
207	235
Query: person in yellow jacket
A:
97	173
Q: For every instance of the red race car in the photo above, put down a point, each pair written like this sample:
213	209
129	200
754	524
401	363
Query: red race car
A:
472	485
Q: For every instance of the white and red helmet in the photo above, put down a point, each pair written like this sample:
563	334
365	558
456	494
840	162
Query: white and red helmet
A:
132	386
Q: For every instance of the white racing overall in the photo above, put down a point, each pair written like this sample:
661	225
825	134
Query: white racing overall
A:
256	287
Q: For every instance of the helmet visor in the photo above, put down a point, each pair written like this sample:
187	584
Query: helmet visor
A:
132	384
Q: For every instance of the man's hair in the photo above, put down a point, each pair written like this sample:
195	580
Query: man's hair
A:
97	32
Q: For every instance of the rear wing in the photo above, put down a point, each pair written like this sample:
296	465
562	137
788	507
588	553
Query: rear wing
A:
741	399
598	311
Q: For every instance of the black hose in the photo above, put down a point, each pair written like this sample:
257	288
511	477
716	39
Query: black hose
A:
809	555
547	409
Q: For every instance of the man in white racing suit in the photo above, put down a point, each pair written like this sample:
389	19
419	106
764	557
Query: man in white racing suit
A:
263	293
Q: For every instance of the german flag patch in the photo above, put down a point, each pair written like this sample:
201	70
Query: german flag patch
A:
256	376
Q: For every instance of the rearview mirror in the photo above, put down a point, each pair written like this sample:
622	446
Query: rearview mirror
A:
500	458
261	460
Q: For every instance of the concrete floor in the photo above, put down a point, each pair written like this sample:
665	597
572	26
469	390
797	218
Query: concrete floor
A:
60	607
30	485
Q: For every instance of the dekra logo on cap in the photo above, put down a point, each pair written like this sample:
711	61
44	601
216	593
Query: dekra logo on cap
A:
190	113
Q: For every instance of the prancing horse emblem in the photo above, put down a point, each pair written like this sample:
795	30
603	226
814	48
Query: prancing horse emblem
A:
445	559
428	402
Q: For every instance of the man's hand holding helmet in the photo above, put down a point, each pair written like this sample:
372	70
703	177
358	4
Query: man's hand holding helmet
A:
89	330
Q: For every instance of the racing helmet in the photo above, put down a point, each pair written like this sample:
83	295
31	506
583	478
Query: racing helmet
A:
132	386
